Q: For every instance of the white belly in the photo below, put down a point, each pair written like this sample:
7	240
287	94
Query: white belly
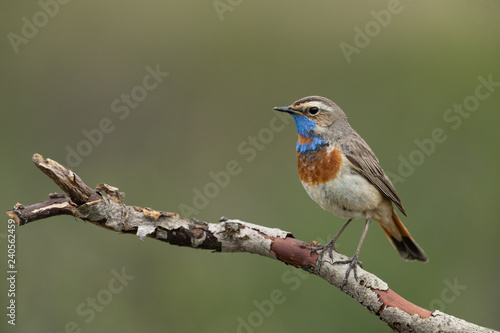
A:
349	195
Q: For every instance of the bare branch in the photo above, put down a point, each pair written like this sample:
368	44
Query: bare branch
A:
229	235
66	179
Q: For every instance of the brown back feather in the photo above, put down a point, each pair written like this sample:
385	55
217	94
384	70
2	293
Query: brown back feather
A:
366	163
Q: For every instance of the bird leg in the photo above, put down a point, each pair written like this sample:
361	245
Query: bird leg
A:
330	247
353	262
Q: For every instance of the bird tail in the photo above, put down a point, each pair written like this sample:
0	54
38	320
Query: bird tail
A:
402	241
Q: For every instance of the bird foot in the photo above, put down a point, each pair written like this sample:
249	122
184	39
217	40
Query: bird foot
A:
321	250
353	265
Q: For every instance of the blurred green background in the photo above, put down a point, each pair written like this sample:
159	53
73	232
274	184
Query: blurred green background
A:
227	70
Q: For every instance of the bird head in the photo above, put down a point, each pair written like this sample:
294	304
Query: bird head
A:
313	115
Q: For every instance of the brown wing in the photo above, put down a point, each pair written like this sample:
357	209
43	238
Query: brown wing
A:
366	163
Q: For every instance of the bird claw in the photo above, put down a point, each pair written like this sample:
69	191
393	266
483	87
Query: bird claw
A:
353	265
321	250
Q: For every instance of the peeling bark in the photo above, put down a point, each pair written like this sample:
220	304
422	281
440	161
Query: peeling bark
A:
229	235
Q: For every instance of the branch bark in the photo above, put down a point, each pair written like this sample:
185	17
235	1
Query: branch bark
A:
229	235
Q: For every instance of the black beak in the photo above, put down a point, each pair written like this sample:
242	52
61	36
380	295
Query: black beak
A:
284	109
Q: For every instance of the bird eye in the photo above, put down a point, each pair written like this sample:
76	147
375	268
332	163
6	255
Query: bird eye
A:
313	110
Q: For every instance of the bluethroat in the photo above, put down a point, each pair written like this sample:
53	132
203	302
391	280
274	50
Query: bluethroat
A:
342	174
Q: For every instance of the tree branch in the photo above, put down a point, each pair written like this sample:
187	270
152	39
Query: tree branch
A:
229	235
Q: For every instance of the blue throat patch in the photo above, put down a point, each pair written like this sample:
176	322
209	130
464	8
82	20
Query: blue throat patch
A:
305	127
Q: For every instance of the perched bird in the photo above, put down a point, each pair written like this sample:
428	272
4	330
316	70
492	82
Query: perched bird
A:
341	173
